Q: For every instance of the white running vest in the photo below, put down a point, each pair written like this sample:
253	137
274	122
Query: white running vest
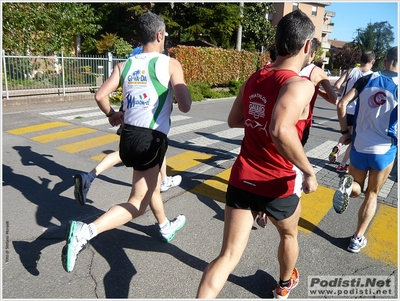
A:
147	93
355	74
376	116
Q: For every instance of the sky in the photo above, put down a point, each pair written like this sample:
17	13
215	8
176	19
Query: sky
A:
353	15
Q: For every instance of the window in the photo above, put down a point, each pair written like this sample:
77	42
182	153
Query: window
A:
295	6
313	11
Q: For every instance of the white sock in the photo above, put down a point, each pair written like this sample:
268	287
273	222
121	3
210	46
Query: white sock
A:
164	224
164	181
90	231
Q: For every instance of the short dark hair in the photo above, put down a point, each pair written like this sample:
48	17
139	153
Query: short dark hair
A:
291	33
272	53
315	44
148	25
367	57
392	55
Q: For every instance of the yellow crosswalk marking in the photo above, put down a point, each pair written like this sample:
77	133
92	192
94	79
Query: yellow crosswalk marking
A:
215	187
184	161
62	135
89	143
314	207
38	127
382	236
99	157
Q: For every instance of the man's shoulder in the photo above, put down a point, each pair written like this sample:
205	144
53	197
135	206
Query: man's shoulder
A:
318	74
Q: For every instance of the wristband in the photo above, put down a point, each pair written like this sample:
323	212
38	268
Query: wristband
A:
110	114
344	132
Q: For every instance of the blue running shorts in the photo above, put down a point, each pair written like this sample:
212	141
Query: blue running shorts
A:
363	161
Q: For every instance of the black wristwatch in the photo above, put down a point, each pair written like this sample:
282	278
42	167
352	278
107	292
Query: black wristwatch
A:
344	132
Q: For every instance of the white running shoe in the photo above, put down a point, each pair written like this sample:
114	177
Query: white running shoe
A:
76	242
170	182
261	219
342	194
356	244
168	232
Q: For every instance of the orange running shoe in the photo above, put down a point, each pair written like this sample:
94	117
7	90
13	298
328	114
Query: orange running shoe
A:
283	292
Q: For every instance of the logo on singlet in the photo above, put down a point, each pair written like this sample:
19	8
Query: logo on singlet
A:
138	77
137	100
257	110
377	99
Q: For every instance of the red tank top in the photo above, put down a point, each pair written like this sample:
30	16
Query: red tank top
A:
259	167
306	73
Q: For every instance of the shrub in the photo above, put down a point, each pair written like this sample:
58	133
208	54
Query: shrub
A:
116	97
234	86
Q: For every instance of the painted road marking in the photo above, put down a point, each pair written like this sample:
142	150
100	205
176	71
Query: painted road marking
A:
215	187
216	137
314	207
185	161
69	111
381	237
192	127
382	233
63	135
89	143
37	128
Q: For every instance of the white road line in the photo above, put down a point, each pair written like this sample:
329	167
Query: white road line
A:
320	152
193	127
219	136
173	119
176	118
98	122
205	167
62	112
87	115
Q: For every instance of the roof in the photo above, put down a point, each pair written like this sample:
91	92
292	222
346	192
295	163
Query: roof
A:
337	44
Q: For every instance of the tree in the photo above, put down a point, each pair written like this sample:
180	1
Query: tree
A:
346	58
213	22
45	27
376	37
112	43
257	29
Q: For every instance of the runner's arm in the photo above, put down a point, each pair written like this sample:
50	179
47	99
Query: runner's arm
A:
179	86
290	107
338	84
102	96
342	115
235	118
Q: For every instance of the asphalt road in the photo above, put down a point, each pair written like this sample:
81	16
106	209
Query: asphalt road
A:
40	158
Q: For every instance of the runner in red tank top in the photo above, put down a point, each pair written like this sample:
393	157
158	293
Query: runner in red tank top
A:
272	169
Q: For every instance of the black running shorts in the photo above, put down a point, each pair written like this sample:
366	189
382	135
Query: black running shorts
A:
279	209
350	119
142	148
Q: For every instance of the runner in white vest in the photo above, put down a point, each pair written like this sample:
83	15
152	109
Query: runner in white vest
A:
148	81
374	146
348	79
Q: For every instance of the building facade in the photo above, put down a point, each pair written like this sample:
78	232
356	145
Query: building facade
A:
318	15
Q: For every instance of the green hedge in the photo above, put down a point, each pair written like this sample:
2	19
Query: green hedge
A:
217	66
207	68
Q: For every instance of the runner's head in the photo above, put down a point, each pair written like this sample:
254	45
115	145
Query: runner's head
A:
150	27
292	32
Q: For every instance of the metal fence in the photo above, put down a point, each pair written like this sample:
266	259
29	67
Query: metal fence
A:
45	75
